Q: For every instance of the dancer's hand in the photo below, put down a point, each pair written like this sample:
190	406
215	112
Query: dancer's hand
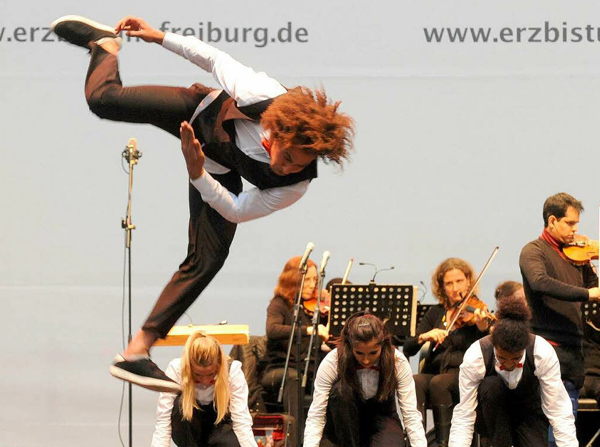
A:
138	27
192	151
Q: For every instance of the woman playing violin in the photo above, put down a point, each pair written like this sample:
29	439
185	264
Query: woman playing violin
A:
437	383
280	315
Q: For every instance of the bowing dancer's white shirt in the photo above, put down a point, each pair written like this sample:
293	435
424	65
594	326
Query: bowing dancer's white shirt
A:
556	403
406	399
238	406
246	87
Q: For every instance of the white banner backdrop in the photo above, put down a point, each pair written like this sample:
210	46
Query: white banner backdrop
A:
457	146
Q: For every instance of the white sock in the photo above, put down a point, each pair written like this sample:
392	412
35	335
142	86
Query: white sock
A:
131	358
118	40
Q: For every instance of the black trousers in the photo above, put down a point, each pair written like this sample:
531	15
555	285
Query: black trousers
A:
436	389
362	423
201	431
591	388
508	421
210	235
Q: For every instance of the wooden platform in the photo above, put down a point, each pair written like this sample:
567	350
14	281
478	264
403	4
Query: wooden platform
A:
227	334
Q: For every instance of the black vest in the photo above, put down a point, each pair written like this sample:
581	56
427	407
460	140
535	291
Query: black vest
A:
527	392
215	129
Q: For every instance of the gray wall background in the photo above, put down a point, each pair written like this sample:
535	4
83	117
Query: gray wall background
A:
457	146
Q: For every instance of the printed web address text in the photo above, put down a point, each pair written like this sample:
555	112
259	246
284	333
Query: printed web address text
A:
259	37
548	33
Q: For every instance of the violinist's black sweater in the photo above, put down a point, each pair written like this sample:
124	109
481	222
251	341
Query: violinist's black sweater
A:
449	355
279	325
555	289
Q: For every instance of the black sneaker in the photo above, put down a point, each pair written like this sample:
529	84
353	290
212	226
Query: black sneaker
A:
145	373
81	31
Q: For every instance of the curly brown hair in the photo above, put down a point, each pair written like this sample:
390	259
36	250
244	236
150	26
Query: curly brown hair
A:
289	280
437	279
306	119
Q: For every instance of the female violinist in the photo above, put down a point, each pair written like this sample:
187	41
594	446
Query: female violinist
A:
280	315
437	384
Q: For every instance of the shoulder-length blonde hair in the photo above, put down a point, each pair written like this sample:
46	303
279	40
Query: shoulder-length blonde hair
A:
437	279
288	284
203	350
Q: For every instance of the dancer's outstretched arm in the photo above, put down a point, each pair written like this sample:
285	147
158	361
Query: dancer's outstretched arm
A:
240	82
138	27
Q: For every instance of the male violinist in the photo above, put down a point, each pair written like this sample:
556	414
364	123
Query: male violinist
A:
555	289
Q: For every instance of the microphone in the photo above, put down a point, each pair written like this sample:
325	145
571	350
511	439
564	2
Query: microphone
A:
309	248
324	262
424	290
391	267
131	153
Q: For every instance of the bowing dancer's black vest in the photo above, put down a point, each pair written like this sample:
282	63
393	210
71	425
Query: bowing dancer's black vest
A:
527	392
215	128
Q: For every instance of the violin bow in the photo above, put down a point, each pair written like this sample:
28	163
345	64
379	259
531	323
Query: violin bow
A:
350	262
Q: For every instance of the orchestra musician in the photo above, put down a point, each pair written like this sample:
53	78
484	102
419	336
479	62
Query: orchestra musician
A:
280	315
591	354
555	287
508	289
437	384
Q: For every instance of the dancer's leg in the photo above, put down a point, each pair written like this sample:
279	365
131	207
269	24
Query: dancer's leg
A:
210	236
161	106
164	107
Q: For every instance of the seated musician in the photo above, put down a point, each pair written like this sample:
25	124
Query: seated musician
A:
591	356
509	289
212	409
510	387
437	384
280	315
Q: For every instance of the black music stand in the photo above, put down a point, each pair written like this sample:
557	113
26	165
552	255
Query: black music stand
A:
422	309
591	316
591	312
395	304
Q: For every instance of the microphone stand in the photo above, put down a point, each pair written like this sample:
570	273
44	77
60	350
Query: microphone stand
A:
296	330
372	281
315	328
132	155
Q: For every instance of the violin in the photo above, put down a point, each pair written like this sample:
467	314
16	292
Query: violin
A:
581	251
466	316
310	304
